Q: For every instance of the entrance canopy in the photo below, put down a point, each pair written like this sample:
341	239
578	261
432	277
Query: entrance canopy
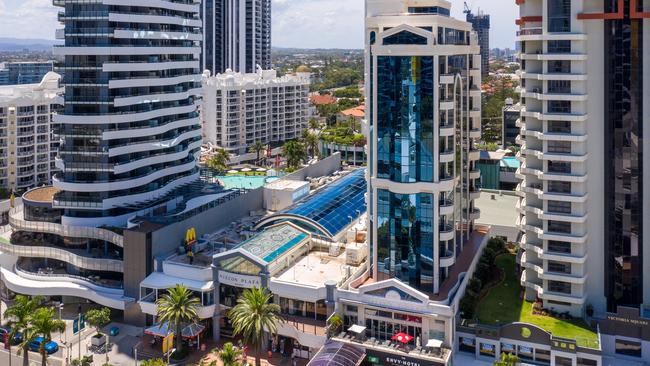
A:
358	329
434	343
338	354
162	330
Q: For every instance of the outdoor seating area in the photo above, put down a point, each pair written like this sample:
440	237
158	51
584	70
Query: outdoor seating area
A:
400	342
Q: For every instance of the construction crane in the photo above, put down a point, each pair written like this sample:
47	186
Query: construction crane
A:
467	10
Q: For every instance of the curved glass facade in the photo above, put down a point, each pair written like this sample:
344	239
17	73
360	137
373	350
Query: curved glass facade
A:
405	238
405	107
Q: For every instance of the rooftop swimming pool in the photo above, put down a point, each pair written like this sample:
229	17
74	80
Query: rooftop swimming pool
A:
245	182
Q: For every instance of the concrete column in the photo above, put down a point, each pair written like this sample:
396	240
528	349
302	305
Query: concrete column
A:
216	317
330	299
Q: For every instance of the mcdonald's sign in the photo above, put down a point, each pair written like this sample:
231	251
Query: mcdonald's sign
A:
190	236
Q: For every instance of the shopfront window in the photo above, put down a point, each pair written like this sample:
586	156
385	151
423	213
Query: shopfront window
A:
467	345
487	349
628	348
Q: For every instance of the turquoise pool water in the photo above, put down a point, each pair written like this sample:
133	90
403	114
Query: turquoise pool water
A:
245	182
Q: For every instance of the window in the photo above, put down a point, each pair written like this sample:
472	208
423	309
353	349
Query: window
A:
559	15
559	86
542	355
628	348
405	37
559	187
558	303
559	207
563	361
561	167
559	247
561	147
559	126
559	46
559	106
559	227
559	67
586	362
561	287
559	267
428	10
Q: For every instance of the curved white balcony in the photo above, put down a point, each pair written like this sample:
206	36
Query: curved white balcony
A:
474	174
161	4
447	130
551	136
447	156
150	82
124	184
554	96
132	165
155	98
125	117
554	76
563	277
475	133
154	19
148	66
578	158
554	56
446	105
94	264
474	155
577	178
149	131
446	207
135	34
17	222
575	117
124	51
141	197
446	232
64	287
447	259
154	145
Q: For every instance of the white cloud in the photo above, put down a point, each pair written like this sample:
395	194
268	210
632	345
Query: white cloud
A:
28	19
296	23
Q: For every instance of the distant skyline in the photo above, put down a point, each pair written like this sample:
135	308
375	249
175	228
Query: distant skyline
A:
296	23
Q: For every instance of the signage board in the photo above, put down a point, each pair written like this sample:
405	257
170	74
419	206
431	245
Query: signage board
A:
390	359
239	280
168	343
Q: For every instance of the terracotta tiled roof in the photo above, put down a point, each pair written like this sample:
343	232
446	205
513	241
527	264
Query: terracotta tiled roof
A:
358	112
322	99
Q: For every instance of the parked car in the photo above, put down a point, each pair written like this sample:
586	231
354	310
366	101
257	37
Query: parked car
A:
18	337
50	347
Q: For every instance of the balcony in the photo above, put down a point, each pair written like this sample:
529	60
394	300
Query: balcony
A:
17	222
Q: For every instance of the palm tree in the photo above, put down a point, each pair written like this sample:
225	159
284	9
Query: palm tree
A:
253	315
314	124
230	355
44	323
257	147
28	335
294	152
178	306
20	314
219	161
311	143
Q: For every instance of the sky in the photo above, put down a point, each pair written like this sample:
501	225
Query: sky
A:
296	23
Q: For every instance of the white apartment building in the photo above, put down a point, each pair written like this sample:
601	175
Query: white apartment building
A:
584	171
27	146
240	109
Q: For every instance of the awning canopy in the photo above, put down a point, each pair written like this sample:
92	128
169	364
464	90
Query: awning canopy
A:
162	330
358	329
434	343
161	281
339	354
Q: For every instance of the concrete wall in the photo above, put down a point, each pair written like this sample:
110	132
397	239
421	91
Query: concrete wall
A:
324	167
170	237
595	205
137	265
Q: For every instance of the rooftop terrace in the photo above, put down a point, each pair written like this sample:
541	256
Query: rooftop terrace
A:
504	305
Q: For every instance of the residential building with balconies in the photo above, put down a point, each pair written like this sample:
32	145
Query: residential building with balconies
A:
585	165
27	143
241	109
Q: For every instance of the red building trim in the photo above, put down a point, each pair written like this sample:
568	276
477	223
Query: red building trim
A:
620	14
530	19
634	14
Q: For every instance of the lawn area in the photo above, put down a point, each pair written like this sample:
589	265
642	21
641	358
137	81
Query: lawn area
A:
504	305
